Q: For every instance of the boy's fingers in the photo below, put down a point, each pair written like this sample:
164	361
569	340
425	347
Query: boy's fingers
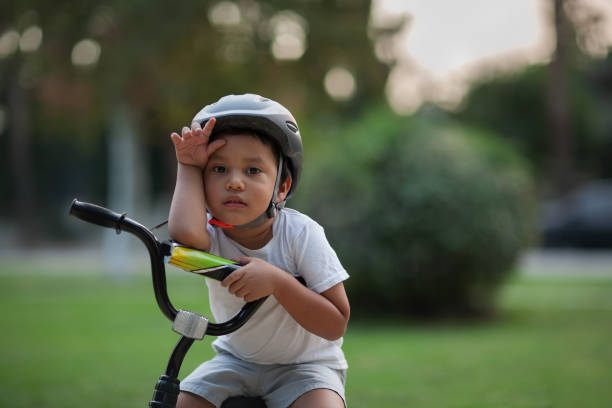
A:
186	132
175	138
242	293
242	260
208	127
196	130
233	277
238	289
214	146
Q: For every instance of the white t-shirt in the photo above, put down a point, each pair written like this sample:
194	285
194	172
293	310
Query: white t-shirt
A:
272	336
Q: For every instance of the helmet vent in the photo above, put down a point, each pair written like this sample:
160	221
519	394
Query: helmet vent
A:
292	126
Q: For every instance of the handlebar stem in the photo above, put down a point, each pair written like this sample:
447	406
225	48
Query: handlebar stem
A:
104	217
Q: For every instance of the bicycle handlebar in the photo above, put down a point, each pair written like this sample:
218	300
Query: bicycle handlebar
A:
96	215
104	217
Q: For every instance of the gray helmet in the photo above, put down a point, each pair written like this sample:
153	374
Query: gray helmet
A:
264	116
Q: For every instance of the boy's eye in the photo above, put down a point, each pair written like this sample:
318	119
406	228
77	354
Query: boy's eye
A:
218	169
253	170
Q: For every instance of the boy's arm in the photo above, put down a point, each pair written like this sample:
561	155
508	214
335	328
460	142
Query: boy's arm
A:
325	314
187	218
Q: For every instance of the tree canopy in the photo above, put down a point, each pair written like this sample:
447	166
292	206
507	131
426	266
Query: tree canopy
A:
163	61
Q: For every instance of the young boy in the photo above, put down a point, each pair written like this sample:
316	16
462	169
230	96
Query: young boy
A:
234	175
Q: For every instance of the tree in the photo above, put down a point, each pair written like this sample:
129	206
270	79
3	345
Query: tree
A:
559	113
554	113
428	216
164	61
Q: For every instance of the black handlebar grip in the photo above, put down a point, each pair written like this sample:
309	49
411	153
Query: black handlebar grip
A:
95	214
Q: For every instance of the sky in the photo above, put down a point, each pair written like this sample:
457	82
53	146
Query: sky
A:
448	44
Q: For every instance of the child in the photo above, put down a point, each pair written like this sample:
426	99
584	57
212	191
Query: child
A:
234	176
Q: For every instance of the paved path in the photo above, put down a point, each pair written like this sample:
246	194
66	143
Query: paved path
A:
567	262
73	260
541	263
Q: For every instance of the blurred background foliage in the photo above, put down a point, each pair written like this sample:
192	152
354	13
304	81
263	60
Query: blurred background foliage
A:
157	63
429	211
515	107
429	217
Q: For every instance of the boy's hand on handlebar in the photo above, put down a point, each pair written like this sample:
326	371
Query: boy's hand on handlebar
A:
192	148
256	279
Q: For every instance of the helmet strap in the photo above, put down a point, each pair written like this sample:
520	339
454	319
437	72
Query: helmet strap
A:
270	212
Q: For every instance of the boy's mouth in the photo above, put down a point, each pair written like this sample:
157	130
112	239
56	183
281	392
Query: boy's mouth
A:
234	202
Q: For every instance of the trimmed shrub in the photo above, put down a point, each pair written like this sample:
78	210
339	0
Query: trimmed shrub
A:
428	218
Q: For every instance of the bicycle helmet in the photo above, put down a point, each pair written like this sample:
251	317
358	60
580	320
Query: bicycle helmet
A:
268	118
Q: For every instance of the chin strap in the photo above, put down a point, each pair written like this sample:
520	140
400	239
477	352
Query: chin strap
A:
271	212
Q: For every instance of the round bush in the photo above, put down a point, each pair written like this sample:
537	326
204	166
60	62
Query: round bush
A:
427	218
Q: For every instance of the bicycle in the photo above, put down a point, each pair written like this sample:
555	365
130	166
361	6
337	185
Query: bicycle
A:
191	326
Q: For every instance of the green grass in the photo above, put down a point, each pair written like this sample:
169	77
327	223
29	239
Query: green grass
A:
88	340
550	347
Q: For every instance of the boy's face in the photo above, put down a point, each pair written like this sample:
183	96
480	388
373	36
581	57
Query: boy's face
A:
239	179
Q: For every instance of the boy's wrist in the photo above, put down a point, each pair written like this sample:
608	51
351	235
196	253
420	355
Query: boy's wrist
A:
282	281
190	166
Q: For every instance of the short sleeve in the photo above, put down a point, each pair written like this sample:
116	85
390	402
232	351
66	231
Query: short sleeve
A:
316	260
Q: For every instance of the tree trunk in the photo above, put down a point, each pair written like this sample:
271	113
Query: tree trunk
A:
21	162
559	110
127	188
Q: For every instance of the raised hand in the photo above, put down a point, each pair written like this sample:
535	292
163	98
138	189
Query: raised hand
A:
192	148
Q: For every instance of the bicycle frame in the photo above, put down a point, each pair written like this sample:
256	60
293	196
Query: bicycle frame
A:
190	325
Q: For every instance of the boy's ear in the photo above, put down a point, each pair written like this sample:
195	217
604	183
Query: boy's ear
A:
283	189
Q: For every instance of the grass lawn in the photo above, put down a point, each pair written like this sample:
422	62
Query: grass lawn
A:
88	340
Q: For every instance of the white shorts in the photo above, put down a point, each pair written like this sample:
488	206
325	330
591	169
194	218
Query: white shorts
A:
278	384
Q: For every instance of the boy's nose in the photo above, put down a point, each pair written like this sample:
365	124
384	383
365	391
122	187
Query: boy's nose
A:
235	182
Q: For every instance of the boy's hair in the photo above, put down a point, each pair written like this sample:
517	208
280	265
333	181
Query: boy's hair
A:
265	139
